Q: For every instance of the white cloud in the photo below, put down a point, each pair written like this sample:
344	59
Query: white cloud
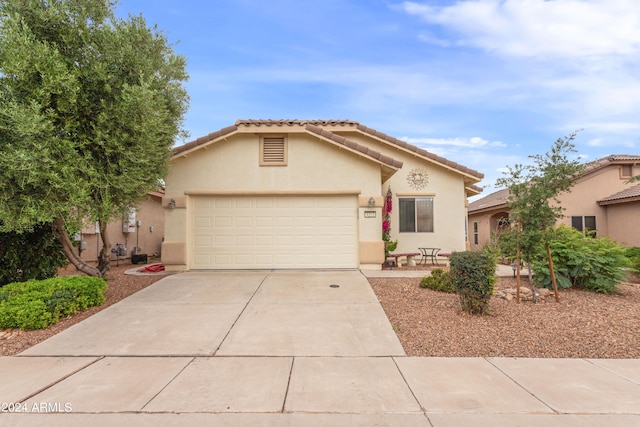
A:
473	142
573	28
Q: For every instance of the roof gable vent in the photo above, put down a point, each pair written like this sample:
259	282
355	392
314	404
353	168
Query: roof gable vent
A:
273	151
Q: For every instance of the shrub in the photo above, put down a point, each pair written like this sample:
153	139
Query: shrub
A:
39	304
30	255
633	253
439	280
473	275
595	264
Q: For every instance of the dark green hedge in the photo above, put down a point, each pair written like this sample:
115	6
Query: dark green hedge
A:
38	304
473	275
35	254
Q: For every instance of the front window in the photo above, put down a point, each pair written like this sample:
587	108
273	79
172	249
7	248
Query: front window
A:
475	233
586	224
416	215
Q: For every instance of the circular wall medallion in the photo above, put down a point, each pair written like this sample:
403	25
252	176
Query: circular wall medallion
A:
418	178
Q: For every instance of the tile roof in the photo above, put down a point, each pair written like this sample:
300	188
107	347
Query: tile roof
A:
204	139
609	160
295	122
631	194
498	199
354	145
421	152
316	126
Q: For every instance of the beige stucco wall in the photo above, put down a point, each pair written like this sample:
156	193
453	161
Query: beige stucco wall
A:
586	191
445	186
487	223
149	235
624	227
231	167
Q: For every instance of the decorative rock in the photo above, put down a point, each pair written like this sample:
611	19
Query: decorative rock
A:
543	292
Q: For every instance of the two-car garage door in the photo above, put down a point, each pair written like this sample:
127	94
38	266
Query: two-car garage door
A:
240	232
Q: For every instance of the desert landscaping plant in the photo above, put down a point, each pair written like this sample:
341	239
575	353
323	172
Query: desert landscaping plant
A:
594	264
439	280
533	198
37	304
473	275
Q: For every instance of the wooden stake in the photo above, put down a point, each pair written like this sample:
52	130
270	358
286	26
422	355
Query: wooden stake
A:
553	274
518	266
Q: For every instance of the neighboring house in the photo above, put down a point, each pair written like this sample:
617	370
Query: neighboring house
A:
142	227
307	194
600	200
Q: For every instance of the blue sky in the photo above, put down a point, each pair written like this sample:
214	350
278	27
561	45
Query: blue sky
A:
484	83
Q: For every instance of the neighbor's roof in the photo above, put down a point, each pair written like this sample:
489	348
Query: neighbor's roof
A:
631	194
614	159
492	201
322	128
500	198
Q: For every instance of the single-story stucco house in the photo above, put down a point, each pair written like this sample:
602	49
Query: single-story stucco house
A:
264	194
600	200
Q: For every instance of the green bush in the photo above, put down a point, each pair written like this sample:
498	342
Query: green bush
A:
633	253
39	304
30	255
473	275
594	264
439	280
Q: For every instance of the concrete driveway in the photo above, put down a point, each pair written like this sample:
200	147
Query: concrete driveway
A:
288	348
240	313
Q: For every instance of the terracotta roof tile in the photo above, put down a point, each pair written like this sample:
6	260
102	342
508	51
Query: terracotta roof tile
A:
627	195
421	152
494	200
353	145
294	122
317	125
204	139
609	160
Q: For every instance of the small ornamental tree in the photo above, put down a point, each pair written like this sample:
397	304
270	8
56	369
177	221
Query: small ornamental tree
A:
90	106
533	198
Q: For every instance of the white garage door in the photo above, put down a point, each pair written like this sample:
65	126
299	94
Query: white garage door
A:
274	232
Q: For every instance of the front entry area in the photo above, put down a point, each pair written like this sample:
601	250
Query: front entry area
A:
274	231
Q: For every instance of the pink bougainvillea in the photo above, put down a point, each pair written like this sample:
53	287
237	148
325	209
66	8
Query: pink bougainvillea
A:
387	207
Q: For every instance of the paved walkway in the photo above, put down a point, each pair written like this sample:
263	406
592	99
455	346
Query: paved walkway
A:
288	348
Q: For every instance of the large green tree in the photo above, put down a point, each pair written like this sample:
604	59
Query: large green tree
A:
533	196
90	106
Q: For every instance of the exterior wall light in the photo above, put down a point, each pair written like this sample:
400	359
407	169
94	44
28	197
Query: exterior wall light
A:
171	204
372	202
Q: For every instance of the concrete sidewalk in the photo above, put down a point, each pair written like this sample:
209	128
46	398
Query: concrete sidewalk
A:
288	348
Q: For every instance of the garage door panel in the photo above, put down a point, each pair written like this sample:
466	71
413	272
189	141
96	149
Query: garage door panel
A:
274	232
240	241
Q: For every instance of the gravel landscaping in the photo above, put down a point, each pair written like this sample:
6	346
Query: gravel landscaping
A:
582	325
430	323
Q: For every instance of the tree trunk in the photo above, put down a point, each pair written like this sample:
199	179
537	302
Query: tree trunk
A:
60	231
553	274
104	260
